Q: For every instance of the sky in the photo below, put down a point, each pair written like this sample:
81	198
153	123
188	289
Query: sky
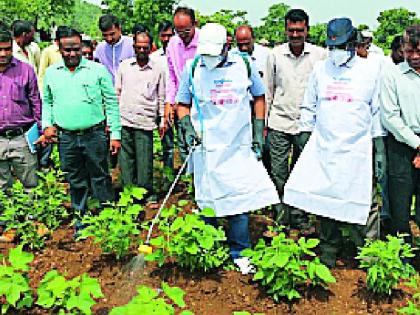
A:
360	11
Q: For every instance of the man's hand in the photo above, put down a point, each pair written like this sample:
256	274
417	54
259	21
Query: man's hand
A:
49	136
115	146
416	161
168	114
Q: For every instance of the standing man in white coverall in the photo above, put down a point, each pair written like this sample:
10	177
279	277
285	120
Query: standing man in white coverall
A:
214	109
333	176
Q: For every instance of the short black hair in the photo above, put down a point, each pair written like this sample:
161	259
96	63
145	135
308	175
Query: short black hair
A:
142	29
5	35
412	35
87	43
3	26
165	25
397	42
187	11
69	32
296	15
20	26
60	30
107	21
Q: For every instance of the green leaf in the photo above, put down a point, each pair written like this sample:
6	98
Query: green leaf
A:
186	312
175	294
182	203
20	259
208	212
324	273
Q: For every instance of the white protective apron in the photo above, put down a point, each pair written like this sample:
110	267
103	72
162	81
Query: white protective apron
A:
333	175
227	176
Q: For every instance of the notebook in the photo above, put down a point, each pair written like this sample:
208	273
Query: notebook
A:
31	136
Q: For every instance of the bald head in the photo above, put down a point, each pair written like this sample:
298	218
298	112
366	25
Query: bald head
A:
244	36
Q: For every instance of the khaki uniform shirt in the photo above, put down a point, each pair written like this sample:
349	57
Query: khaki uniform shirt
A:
286	79
141	92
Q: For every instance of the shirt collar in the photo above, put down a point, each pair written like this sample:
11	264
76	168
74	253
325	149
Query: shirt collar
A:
306	50
405	68
149	65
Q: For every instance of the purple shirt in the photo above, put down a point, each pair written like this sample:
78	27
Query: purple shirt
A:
20	104
178	54
111	56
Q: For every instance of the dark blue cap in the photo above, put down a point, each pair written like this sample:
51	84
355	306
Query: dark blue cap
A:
339	31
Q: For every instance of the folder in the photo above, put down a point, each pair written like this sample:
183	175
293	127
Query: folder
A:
31	136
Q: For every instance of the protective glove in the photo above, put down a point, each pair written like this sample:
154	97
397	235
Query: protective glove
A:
380	157
303	138
258	137
190	136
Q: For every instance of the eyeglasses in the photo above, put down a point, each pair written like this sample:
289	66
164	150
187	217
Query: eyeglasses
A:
185	32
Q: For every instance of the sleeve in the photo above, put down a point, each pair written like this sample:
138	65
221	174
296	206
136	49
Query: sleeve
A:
308	107
391	111
118	82
171	80
269	78
377	129
43	65
47	103
34	97
161	94
184	94
257	87
112	109
37	56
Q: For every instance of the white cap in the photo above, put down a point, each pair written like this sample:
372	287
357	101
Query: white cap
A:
211	39
367	34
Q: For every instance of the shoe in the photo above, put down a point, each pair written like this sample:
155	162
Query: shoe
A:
244	265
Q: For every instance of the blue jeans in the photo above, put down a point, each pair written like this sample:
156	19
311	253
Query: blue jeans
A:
238	235
84	159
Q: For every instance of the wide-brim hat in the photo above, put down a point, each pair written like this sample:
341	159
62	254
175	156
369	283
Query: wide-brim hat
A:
339	31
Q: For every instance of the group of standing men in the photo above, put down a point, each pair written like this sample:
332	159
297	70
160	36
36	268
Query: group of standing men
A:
334	113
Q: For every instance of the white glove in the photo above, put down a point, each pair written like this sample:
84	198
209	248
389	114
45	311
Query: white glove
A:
244	265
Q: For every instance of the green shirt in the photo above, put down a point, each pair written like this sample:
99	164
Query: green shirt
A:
76	100
400	103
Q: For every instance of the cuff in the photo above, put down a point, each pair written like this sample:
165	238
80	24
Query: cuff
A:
116	135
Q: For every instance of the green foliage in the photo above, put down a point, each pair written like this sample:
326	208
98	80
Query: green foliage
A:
14	283
228	18
19	213
383	261
85	18
116	224
393	22
413	307
283	266
273	28
149	301
194	244
318	34
42	12
75	296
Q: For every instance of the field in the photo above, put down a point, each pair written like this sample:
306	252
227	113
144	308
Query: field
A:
218	291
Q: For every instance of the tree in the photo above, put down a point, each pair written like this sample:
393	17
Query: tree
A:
393	22
318	34
85	18
273	26
43	13
228	18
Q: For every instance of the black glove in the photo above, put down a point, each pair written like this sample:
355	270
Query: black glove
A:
258	137
190	136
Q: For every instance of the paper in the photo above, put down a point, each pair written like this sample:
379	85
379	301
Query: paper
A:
31	136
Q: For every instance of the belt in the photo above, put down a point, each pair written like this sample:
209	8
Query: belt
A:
11	133
81	132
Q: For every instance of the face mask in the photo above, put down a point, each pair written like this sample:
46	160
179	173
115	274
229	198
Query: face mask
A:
211	62
340	57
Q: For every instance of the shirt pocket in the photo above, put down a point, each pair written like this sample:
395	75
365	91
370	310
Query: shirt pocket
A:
149	91
90	92
18	92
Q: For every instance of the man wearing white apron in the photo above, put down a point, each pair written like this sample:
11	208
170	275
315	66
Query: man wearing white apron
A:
333	176
228	176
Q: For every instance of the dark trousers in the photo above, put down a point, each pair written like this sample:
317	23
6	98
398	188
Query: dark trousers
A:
84	159
180	141
280	144
404	181
168	148
44	156
136	158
